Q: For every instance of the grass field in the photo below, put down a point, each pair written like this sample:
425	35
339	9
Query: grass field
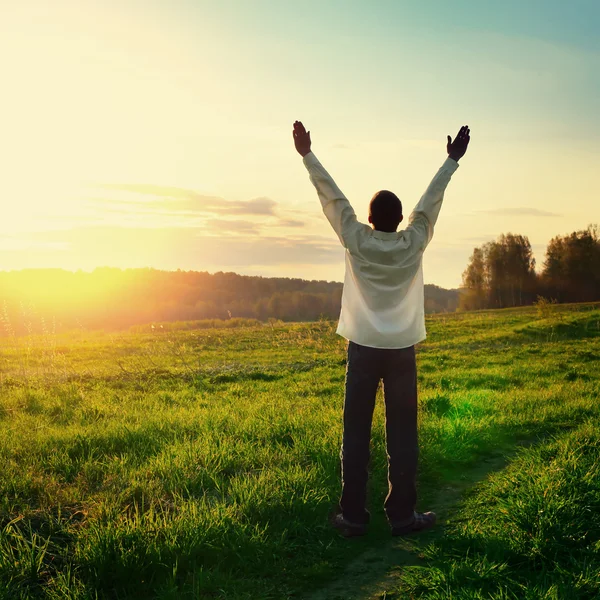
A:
204	464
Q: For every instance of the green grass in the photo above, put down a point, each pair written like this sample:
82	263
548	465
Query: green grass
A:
204	463
530	531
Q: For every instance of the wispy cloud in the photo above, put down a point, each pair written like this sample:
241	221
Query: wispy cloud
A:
291	223
520	211
233	226
173	247
145	206
258	206
12	243
149	189
148	196
474	239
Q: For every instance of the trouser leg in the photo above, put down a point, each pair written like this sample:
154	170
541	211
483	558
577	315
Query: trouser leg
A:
362	379
400	392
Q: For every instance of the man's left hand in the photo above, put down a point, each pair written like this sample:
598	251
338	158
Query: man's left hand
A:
457	148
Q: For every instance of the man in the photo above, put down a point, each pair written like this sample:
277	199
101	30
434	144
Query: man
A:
382	318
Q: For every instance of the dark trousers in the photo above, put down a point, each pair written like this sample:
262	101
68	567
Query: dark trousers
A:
365	368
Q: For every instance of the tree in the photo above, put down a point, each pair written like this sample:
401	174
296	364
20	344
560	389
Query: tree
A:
571	270
500	274
474	283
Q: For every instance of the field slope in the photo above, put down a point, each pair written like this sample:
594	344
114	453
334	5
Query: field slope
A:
204	464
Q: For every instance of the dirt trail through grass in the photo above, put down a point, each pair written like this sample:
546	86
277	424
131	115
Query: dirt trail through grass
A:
369	575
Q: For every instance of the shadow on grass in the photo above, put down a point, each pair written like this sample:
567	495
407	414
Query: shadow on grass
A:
529	532
381	558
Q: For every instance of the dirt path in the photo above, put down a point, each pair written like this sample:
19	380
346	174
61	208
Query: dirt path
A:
374	572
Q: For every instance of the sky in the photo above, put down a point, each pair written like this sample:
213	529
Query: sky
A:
158	133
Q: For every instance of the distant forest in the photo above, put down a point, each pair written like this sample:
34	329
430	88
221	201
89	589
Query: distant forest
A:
38	300
502	273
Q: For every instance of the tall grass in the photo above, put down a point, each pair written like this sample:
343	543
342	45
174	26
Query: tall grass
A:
204	463
530	531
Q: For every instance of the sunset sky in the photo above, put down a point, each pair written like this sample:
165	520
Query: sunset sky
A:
158	133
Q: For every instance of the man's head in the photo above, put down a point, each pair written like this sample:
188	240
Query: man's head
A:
385	211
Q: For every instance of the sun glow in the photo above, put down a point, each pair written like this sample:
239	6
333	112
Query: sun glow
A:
89	97
198	96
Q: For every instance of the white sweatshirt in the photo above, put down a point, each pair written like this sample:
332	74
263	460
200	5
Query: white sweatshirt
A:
382	300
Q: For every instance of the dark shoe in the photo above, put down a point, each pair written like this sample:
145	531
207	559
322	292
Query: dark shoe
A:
420	522
347	528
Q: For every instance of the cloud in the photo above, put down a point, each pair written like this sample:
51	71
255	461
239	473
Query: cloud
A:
291	223
476	239
13	243
129	225
149	189
399	143
233	226
175	200
258	206
521	211
175	247
141	208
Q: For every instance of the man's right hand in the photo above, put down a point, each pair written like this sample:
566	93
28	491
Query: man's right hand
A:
458	147
301	138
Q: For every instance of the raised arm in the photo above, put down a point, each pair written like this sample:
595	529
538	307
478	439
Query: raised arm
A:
424	216
335	205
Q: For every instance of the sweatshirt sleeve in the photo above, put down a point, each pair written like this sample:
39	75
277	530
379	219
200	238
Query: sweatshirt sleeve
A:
424	216
335	205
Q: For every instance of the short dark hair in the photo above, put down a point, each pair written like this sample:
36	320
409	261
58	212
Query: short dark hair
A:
385	210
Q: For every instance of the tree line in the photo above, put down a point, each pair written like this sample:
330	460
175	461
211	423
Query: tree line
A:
502	273
38	300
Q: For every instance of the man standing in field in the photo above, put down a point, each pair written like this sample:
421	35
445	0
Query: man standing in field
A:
382	318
